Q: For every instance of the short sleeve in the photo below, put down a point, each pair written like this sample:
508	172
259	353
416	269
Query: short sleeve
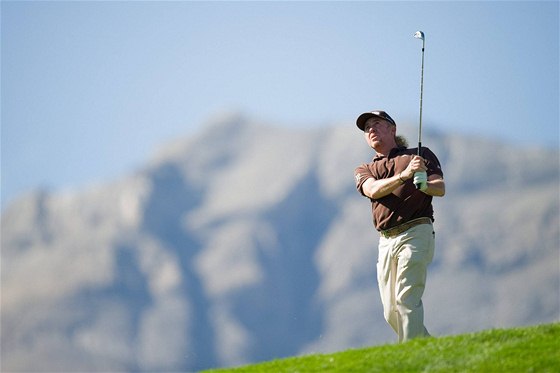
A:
361	174
432	162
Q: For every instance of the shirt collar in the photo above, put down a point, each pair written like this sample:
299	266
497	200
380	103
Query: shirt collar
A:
392	153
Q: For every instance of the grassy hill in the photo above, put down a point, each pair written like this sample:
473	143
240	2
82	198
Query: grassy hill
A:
530	349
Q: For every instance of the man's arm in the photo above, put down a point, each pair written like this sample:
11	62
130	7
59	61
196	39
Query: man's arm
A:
436	186
376	189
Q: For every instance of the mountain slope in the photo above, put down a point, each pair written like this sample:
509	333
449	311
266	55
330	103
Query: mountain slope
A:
249	242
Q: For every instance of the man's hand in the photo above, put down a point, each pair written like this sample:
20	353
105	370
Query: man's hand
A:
417	169
417	164
421	180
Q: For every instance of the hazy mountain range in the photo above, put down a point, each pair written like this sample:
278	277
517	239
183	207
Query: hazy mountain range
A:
249	242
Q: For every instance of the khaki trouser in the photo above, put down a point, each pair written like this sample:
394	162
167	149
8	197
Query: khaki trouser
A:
401	275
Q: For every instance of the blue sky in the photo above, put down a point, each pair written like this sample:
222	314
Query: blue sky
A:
91	89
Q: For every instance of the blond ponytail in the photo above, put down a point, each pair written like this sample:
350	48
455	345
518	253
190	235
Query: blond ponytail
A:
401	141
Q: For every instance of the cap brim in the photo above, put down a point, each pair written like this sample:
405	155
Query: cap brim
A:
362	119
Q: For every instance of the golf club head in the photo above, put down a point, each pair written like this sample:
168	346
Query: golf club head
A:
419	35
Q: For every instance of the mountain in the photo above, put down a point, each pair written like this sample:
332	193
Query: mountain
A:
248	242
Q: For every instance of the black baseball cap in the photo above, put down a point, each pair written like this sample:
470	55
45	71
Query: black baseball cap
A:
362	119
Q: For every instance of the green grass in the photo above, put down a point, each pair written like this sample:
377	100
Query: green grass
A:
530	349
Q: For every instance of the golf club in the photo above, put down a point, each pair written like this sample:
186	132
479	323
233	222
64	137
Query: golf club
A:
420	179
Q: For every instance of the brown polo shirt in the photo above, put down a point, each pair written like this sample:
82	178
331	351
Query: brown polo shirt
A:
406	202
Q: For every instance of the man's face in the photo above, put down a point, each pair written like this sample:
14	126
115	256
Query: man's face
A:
379	132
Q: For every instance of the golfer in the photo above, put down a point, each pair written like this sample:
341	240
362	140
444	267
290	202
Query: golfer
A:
403	215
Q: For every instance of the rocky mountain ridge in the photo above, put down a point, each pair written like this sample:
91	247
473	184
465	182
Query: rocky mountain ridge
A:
248	242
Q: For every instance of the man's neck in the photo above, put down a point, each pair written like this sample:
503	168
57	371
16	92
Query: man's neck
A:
384	151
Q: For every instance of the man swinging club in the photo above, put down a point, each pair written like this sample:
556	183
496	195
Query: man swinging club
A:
403	215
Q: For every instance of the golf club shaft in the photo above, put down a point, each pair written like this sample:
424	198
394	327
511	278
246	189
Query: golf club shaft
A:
421	98
420	35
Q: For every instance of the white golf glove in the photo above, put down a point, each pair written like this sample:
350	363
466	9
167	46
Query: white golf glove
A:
421	180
